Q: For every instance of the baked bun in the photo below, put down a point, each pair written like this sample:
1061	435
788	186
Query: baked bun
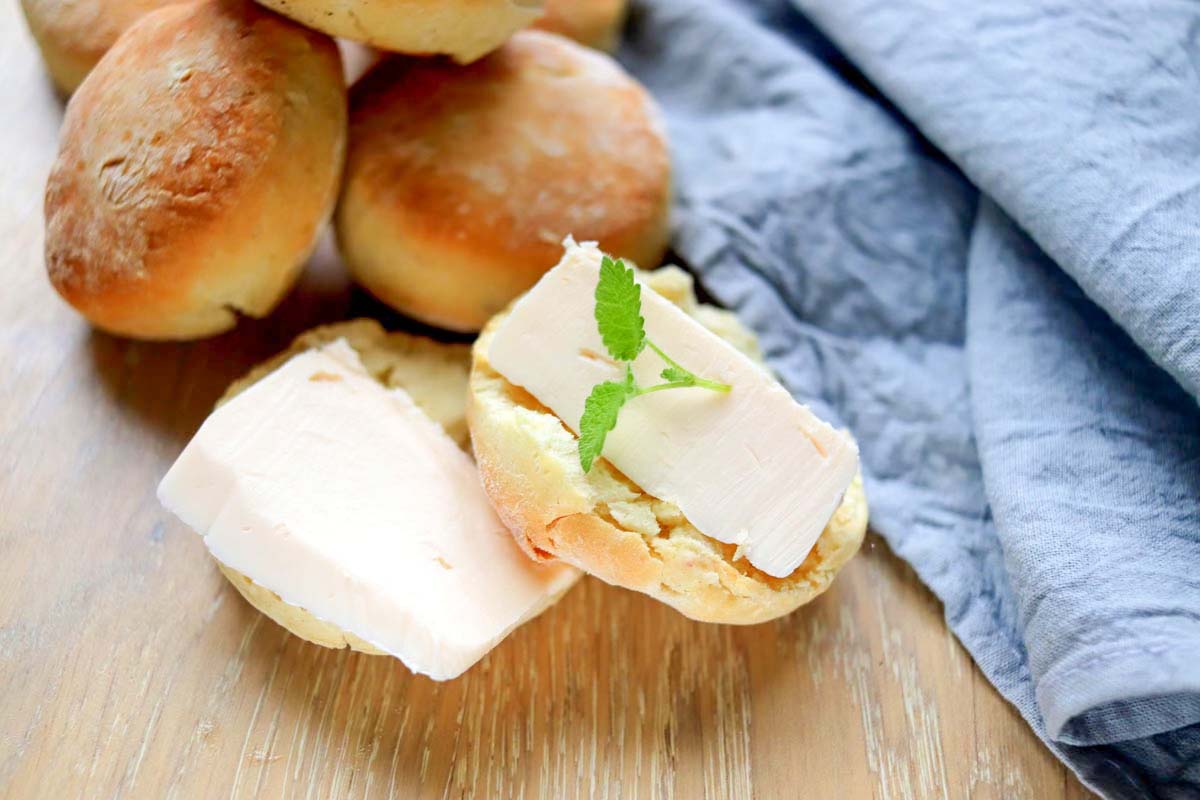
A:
434	374
462	29
74	35
461	182
197	165
596	23
604	524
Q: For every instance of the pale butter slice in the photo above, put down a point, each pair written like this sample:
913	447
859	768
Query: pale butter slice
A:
342	497
752	467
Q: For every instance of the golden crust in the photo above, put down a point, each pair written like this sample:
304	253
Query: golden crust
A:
595	23
604	524
462	29
433	373
197	164
297	621
461	182
74	35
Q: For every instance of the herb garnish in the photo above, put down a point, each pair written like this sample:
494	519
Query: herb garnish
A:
622	329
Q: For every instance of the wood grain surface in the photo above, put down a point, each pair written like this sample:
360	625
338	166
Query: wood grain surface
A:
129	668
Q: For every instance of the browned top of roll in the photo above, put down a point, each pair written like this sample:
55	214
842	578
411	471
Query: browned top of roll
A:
541	139
171	133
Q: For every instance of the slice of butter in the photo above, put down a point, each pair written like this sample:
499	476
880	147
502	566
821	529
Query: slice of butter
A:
752	467
343	498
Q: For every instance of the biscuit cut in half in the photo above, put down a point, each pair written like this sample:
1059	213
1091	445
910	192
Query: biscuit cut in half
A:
74	35
461	29
461	182
197	165
595	23
603	523
435	376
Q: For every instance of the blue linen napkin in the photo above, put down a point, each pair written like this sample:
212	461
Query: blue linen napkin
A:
1026	407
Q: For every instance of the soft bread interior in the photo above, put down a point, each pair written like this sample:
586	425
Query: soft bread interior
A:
605	524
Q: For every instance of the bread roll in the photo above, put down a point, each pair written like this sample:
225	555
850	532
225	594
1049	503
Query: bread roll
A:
197	164
74	34
462	29
596	23
433	374
461	182
603	523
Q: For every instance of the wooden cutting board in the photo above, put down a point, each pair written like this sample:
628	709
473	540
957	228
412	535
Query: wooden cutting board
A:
128	667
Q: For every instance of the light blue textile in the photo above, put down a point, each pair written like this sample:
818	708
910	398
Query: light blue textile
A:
1029	425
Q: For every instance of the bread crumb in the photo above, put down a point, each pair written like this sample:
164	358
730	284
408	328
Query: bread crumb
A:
634	516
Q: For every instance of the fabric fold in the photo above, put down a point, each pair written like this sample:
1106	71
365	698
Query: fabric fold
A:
1089	461
1022	450
1079	118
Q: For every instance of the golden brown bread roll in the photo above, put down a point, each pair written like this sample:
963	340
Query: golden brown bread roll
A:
603	523
74	34
197	164
596	23
462	29
461	182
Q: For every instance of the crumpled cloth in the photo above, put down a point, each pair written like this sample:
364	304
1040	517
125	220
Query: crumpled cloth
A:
970	232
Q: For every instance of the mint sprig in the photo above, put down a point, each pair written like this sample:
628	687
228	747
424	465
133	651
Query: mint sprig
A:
618	315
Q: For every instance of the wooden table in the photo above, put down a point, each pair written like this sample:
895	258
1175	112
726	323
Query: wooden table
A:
128	667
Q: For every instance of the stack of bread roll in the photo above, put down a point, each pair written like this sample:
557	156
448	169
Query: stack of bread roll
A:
207	143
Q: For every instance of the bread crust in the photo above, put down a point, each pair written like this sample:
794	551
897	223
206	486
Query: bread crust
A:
197	164
74	35
296	620
433	373
595	23
461	182
604	524
462	29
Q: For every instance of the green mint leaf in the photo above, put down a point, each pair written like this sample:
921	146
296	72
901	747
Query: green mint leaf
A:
619	310
600	413
619	320
677	375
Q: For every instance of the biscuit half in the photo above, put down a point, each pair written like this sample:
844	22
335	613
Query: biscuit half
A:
433	373
603	523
